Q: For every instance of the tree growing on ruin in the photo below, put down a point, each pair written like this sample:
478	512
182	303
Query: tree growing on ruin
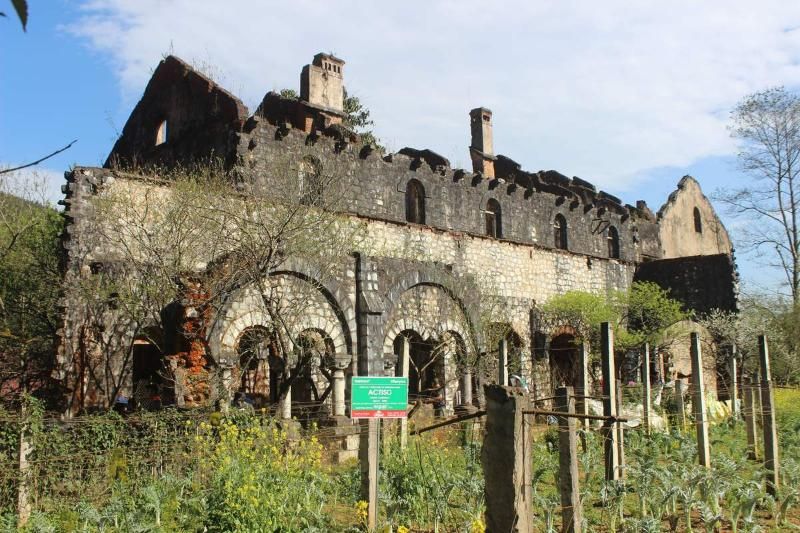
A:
767	126
185	251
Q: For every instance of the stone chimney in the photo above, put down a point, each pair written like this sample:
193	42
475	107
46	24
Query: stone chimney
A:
481	150
322	83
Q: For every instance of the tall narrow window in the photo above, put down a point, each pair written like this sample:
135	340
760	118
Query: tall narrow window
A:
493	219
560	232
613	242
161	133
415	202
698	221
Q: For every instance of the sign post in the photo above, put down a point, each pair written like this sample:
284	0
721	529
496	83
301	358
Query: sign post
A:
376	397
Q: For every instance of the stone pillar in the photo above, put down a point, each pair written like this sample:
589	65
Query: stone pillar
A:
571	511
771	464
466	388
699	403
286	405
609	433
582	390
646	389
341	362
502	363
506	460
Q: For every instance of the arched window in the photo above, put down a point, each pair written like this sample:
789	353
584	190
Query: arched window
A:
493	219
560	232
613	242
415	202
161	133
698	221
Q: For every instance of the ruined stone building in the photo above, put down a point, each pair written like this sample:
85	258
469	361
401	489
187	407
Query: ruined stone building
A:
453	266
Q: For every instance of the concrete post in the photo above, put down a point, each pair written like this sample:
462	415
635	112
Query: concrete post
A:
609	402
680	406
699	403
582	389
771	464
734	384
370	336
506	461
502	363
646	388
750	418
405	358
25	449
620	433
571	511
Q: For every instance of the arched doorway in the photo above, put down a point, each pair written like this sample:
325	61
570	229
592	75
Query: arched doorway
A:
260	366
425	363
311	382
564	361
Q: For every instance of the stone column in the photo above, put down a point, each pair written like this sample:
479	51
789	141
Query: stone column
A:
506	461
286	405
341	362
466	388
502	363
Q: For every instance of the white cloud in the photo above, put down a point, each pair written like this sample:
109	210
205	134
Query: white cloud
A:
603	90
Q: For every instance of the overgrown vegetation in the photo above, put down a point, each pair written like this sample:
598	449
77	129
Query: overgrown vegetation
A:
172	471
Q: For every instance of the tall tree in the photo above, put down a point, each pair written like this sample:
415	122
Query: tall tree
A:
767	126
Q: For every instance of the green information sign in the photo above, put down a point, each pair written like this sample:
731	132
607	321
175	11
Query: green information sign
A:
378	397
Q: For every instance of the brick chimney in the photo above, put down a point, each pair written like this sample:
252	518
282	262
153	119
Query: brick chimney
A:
322	83
481	149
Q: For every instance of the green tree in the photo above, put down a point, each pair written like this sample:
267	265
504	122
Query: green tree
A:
29	292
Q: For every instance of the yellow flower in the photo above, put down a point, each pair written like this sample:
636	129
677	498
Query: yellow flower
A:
477	525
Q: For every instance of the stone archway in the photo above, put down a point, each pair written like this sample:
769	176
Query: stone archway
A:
565	360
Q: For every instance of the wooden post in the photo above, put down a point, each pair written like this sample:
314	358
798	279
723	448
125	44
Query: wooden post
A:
582	390
680	405
507	461
734	384
771	464
750	418
405	357
646	390
620	433
571	511
609	402
699	403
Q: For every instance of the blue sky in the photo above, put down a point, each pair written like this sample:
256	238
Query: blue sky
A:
628	95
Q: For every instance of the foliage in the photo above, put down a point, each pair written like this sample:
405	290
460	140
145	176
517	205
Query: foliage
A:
29	289
357	118
767	126
21	8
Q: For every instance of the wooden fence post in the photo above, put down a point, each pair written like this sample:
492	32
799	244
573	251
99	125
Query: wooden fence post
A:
699	403
771	464
750	418
582	390
609	402
734	384
646	390
571	511
405	358
507	462
620	432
